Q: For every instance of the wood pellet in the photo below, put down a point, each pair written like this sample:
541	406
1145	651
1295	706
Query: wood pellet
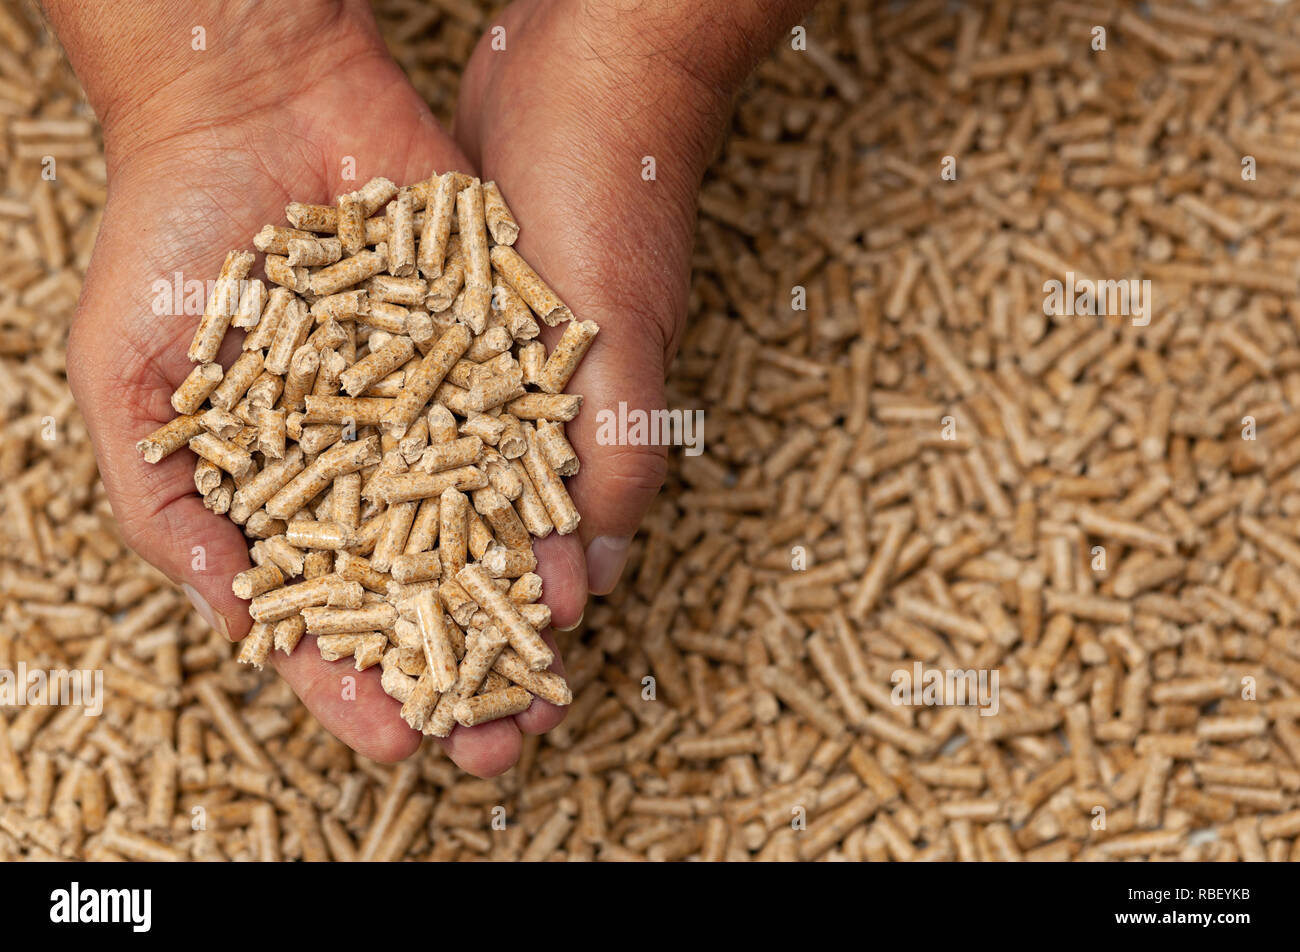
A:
919	468
363	460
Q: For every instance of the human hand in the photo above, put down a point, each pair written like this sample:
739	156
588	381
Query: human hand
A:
563	119
201	154
567	119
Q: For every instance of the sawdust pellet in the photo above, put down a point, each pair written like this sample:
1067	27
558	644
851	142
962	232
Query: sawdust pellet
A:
392	522
566	356
220	307
528	285
501	224
196	388
492	706
1090	522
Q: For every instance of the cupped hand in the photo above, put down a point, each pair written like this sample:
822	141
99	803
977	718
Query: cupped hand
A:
191	177
599	146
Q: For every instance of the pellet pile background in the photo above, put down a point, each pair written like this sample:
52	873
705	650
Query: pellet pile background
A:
921	466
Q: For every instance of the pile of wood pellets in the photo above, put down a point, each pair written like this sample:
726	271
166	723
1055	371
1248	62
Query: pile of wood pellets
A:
360	496
909	465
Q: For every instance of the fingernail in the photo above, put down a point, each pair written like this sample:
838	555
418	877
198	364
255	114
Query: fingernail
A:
201	606
606	556
574	625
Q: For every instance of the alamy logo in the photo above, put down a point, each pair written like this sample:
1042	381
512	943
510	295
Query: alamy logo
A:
944	687
181	297
74	904
1127	297
651	428
58	686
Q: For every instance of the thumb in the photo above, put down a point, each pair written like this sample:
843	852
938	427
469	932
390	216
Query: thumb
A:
157	509
621	379
199	550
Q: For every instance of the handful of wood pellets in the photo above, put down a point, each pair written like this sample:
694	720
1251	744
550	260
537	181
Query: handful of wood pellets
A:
379	440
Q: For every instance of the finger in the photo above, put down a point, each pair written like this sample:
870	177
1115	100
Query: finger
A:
350	704
540	717
200	551
160	515
484	750
563	571
621	379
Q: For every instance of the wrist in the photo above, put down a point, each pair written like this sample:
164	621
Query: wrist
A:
664	79
154	69
715	44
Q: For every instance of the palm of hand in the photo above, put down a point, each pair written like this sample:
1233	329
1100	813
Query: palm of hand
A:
178	206
565	134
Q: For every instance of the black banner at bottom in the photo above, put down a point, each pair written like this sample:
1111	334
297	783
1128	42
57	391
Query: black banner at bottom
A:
129	902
